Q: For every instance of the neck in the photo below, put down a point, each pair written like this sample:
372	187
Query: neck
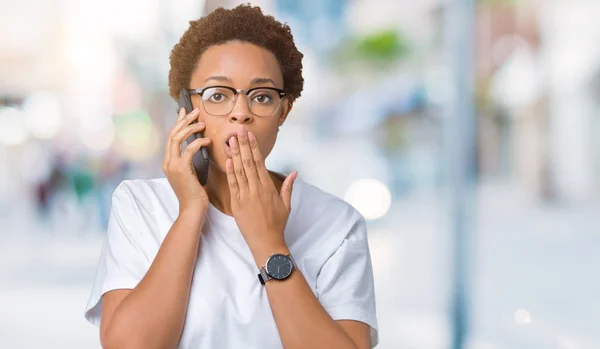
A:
217	189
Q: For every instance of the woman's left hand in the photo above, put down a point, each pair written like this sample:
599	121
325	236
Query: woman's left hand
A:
259	210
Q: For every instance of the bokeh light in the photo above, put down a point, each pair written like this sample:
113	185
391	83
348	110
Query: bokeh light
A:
43	115
12	126
370	197
522	317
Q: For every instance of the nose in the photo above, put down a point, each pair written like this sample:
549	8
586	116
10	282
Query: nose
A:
241	112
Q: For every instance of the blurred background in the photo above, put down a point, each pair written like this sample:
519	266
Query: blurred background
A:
84	105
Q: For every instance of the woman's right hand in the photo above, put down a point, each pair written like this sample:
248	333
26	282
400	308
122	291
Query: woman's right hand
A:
178	166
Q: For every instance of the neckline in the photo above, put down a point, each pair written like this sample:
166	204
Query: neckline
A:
227	222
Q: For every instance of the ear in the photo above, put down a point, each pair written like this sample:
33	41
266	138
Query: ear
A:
287	106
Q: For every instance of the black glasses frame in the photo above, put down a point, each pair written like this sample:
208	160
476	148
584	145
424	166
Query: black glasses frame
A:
200	91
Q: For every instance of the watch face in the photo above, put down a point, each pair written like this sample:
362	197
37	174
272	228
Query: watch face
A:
279	266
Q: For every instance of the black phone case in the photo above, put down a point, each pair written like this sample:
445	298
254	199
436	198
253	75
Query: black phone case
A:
199	159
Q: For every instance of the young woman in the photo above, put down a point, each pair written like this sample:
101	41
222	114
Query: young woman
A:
252	259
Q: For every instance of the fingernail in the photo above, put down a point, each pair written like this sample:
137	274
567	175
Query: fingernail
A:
195	110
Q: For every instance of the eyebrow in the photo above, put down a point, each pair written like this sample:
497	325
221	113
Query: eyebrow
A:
259	81
255	81
218	78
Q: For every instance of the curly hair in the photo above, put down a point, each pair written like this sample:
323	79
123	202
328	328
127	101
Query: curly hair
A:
243	23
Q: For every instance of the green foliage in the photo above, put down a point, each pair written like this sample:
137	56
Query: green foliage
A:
384	45
377	49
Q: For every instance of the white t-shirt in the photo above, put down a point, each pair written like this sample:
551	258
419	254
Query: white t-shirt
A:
228	307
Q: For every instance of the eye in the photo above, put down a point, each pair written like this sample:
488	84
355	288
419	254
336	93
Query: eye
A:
263	98
217	97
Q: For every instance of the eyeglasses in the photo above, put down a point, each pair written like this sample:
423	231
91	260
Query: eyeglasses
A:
220	100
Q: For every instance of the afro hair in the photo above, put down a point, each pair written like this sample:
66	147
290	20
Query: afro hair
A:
244	23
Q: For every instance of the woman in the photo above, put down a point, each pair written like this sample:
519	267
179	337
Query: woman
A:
252	259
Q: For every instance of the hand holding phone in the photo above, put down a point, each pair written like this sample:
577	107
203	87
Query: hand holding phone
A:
200	159
178	165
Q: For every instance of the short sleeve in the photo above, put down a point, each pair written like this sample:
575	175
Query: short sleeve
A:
345	285
123	262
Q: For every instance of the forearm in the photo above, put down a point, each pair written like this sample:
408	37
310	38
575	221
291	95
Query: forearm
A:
153	314
301	320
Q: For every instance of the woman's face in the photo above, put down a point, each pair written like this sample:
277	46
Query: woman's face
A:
241	66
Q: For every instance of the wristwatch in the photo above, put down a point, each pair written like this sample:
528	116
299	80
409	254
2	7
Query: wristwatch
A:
278	267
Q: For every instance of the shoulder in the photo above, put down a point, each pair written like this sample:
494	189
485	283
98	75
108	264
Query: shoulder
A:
143	210
145	192
144	188
321	219
316	204
321	224
149	199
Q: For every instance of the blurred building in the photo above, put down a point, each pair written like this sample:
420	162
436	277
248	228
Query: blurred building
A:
535	69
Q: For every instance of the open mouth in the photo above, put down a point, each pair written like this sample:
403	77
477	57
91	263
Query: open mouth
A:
228	148
228	151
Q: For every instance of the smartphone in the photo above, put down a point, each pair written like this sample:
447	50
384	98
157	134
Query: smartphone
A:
199	159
